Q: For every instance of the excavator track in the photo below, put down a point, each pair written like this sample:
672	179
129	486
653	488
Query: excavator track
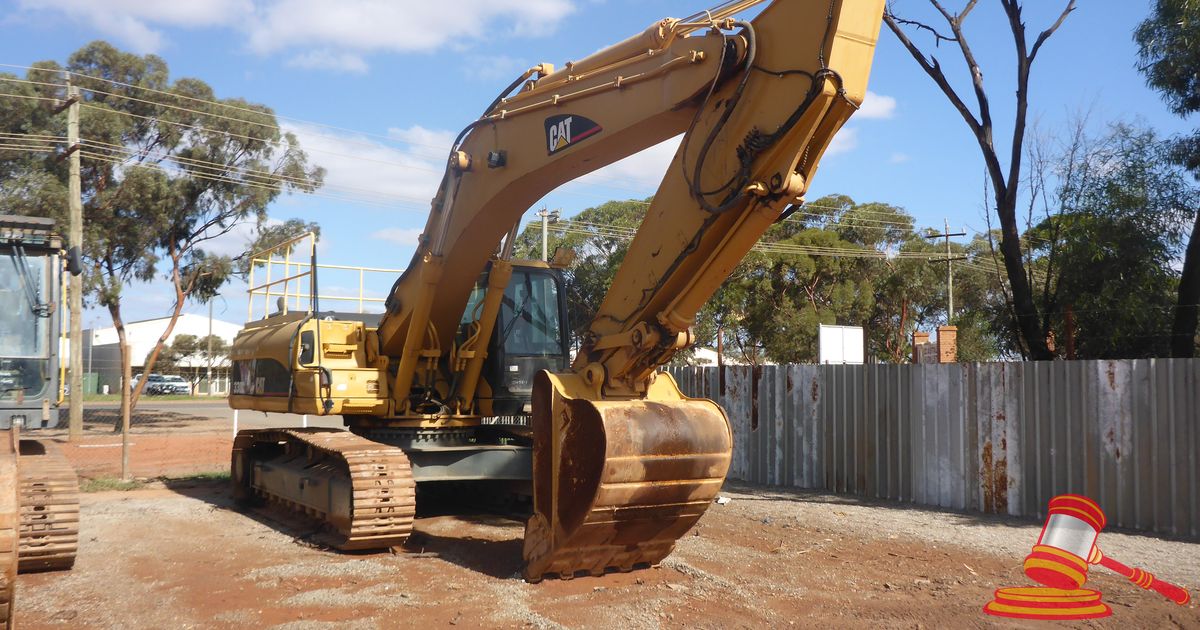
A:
49	500
10	515
361	490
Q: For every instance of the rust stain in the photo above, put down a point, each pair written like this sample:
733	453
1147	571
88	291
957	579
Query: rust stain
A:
1112	376
1000	417
816	389
789	381
1110	437
994	479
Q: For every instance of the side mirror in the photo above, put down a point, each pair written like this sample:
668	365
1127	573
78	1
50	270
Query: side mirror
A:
74	263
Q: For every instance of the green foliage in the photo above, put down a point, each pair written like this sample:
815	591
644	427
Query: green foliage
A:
1110	254
598	254
776	301
1169	41
163	172
1169	53
167	167
270	235
772	303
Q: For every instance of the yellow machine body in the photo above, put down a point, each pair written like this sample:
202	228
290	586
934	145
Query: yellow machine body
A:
622	463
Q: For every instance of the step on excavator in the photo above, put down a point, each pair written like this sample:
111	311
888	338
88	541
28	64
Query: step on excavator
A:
466	375
39	491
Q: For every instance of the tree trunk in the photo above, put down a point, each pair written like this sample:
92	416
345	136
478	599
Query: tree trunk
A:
1187	312
126	368
180	296
126	402
1025	309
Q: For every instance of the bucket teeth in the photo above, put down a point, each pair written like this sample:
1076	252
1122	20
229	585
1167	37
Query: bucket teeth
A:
616	483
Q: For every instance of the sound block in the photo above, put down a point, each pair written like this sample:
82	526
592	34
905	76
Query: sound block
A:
1039	602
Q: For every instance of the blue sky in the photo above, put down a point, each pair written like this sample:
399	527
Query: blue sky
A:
398	80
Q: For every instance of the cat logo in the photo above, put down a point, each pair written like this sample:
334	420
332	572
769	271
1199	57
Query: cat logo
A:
565	130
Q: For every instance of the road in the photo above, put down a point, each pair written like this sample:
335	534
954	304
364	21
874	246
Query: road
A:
218	409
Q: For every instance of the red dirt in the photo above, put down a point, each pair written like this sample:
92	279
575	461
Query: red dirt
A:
179	556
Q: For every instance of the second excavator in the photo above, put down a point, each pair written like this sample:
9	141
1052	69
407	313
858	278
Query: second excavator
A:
619	463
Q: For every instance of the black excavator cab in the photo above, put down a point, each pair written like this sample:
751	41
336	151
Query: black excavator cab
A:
531	334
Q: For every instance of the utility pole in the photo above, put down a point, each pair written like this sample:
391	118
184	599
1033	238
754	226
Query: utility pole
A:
548	217
91	342
75	286
949	268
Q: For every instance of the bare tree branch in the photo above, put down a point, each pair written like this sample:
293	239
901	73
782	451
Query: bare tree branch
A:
931	67
938	38
1041	39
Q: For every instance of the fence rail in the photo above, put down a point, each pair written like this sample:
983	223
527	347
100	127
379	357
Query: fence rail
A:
994	437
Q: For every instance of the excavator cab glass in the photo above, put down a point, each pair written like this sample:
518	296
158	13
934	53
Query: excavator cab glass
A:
530	335
25	323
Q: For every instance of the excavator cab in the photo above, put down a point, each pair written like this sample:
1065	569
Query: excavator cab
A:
530	335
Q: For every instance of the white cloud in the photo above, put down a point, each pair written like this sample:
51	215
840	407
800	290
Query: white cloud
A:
899	158
329	60
406	237
318	33
877	106
844	141
132	21
494	67
640	173
379	25
376	172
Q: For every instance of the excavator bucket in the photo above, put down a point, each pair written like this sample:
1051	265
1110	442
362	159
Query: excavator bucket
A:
617	482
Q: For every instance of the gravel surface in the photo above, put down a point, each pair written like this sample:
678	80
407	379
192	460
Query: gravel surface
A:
181	557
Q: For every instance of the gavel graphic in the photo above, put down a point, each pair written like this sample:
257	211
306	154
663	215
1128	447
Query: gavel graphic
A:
1067	546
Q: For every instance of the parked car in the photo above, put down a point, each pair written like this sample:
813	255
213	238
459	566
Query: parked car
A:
160	384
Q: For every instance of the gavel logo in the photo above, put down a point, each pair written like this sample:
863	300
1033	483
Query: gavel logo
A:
1059	561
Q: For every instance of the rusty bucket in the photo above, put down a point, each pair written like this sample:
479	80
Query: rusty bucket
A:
617	482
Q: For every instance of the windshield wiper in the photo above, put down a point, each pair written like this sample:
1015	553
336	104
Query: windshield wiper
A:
21	264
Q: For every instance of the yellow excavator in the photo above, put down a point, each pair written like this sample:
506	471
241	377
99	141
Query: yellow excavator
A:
619	462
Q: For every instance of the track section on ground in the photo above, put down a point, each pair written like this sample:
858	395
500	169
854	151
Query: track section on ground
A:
382	492
49	507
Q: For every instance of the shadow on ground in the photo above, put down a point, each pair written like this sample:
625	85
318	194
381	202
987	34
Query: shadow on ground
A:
498	557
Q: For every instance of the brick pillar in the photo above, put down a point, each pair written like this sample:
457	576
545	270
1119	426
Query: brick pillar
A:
918	339
947	344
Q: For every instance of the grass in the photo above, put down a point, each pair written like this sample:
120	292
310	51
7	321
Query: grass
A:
107	484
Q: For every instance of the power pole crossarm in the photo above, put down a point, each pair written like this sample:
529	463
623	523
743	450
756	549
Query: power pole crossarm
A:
949	268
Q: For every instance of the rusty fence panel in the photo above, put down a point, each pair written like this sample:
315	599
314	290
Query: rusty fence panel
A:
990	437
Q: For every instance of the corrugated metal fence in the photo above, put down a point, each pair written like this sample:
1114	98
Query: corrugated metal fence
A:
993	437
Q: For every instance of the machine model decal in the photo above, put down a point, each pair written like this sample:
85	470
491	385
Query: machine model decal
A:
565	130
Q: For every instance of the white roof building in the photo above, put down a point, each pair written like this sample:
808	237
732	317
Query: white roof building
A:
144	334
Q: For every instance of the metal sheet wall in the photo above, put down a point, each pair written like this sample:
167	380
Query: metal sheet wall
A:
992	437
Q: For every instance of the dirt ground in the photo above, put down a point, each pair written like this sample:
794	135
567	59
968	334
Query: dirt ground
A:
180	556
